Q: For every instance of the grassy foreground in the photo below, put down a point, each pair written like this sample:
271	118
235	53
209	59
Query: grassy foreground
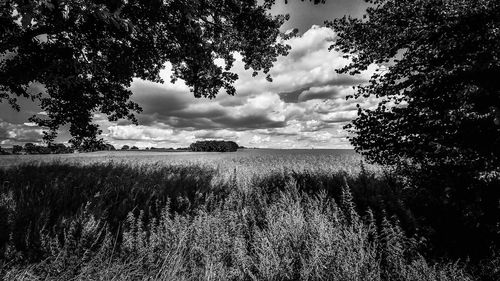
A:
118	221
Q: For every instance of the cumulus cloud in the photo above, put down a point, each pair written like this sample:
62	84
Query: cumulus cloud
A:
304	106
131	132
19	133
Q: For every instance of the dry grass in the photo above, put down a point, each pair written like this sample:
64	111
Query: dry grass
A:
275	218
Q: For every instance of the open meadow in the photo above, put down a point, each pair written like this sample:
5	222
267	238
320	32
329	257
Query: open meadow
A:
248	215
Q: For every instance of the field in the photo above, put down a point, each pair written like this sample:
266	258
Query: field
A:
248	215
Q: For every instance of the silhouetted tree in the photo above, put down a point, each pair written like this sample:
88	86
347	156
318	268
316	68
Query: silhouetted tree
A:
439	109
125	147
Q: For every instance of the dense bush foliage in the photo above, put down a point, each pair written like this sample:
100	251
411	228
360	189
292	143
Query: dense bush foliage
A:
214	146
164	222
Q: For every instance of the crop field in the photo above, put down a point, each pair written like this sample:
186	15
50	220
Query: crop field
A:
248	215
294	158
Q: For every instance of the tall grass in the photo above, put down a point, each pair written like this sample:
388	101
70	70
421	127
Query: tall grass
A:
116	221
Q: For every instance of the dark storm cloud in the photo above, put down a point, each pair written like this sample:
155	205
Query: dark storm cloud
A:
187	123
304	93
156	99
237	123
254	121
318	93
293	96
28	107
203	112
177	109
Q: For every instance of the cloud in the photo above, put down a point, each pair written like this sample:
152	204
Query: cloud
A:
19	133
159	99
216	135
131	132
304	105
340	116
313	93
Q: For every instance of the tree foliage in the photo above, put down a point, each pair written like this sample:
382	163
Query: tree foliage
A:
16	149
214	146
439	103
86	53
439	90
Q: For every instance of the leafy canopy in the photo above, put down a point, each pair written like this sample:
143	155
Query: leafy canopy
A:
86	53
438	85
438	116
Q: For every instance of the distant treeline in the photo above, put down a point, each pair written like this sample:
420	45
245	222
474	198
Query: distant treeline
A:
213	145
126	147
59	148
54	148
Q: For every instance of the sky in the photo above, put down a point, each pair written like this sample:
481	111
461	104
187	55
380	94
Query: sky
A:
304	106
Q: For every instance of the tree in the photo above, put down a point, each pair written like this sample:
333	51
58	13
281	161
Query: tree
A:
109	147
439	109
59	148
125	147
71	48
29	148
214	146
16	149
134	148
91	145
